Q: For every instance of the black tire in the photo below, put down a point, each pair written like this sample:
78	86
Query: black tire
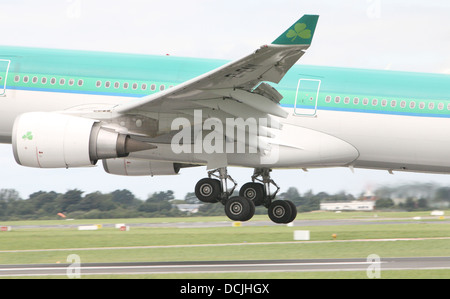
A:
280	211
239	208
293	211
208	190
254	192
252	211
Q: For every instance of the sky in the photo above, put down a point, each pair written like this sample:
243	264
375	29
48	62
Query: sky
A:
376	34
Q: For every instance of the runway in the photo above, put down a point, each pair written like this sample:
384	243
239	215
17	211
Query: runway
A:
301	265
227	223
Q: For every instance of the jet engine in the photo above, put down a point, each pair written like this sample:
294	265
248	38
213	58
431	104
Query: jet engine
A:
52	140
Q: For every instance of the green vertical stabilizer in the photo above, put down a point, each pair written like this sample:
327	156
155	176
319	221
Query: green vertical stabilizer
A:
300	33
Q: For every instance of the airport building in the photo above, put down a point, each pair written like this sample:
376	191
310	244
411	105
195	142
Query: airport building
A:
191	208
348	206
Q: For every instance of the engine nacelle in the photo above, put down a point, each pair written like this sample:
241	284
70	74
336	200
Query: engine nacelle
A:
51	140
137	167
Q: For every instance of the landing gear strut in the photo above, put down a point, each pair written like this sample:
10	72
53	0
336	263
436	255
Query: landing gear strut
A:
260	192
255	193
280	211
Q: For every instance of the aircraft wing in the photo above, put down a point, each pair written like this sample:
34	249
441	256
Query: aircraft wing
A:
235	91
239	83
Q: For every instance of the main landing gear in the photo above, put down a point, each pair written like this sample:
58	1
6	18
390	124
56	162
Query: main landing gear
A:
214	189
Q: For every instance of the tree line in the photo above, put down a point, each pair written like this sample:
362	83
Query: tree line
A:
75	204
123	203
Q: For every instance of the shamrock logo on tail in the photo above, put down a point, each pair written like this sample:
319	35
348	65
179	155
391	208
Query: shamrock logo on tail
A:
28	136
299	31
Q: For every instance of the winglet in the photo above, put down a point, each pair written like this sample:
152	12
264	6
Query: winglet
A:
300	33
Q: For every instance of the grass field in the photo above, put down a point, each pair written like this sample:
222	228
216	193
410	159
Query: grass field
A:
146	244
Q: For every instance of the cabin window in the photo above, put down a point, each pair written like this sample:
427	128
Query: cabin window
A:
107	84
346	100
116	84
383	102
44	80
441	106
403	104
144	86
153	87
125	85
355	101
431	105
162	87
336	99
393	103
62	81
135	85
16	78
412	104
80	82
52	81
328	99
374	102
34	80
71	82
25	79
421	105
365	101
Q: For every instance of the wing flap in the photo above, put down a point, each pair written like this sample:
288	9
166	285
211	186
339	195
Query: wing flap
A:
255	101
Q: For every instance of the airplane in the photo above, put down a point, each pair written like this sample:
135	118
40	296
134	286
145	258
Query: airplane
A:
155	115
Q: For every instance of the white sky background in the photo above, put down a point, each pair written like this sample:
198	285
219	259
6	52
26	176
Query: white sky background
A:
408	35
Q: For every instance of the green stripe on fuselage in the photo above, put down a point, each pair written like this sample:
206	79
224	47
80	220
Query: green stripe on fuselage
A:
157	71
92	67
387	92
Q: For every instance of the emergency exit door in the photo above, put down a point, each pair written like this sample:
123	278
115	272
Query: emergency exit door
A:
306	97
4	68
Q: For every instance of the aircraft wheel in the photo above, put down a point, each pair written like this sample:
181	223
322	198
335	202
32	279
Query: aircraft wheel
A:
239	208
208	190
254	192
293	211
280	211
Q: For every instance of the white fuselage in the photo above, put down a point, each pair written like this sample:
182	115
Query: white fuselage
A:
331	138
